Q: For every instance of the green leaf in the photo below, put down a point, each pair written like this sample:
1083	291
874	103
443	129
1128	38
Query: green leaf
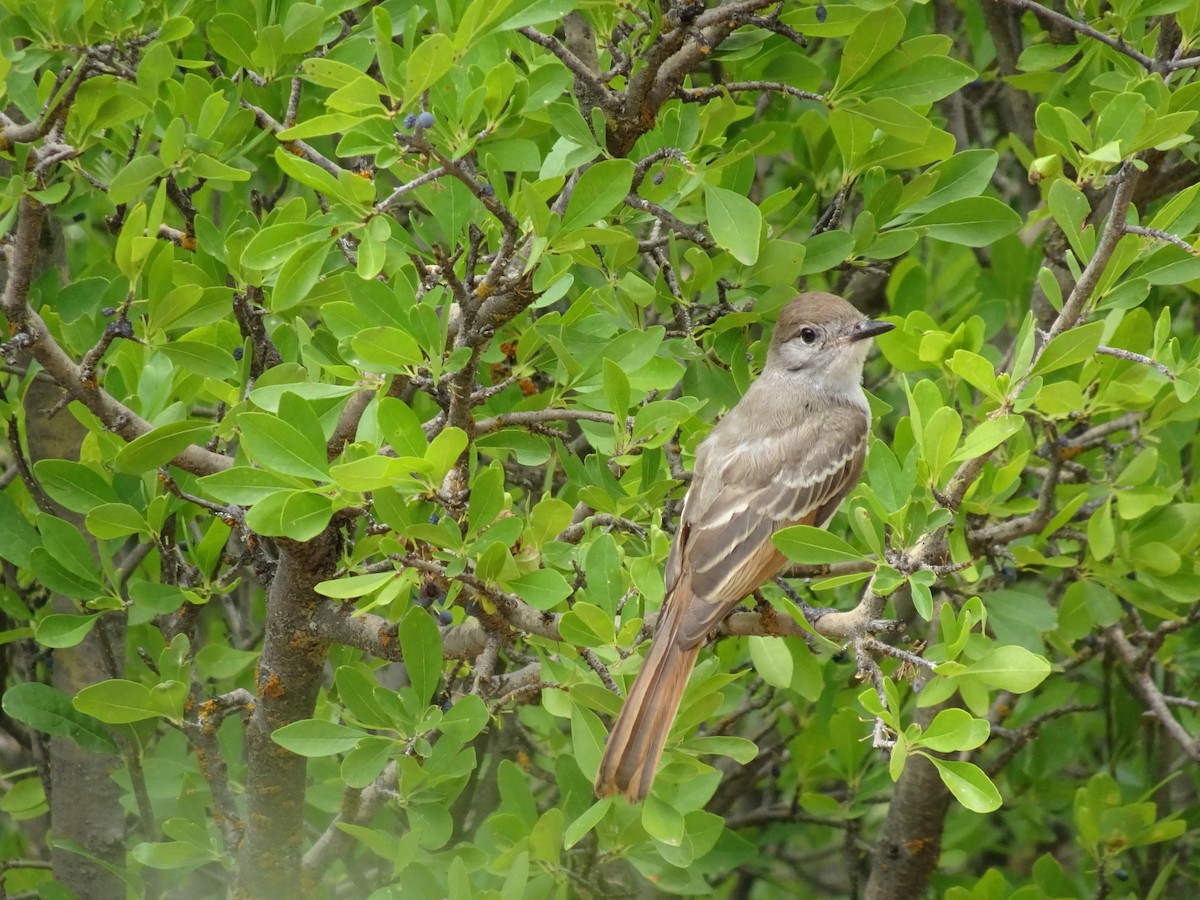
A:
76	486
430	60
541	588
925	79
71	574
662	821
363	764
577	830
599	191
963	175
464	720
272	246
814	546
421	646
772	660
168	855
205	166
354	585
59	631
298	276
370	473
208	360
876	36
245	485
969	785
586	625
895	118
315	737
300	515
976	371
1041	57
1070	347
160	446
942	432
1121	119
989	435
954	729
444	450
602	565
735	221
117	701
281	446
1010	668
740	750
825	250
42	707
386	349
18	538
972	221
132	180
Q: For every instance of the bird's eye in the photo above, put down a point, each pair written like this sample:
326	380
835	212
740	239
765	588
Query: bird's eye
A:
808	335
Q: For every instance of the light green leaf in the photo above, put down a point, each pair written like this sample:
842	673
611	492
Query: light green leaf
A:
300	515
969	785
1069	348
599	191
279	445
989	435
160	446
117	701
772	660
735	221
955	729
972	221
315	737
421	646
48	710
814	546
1010	668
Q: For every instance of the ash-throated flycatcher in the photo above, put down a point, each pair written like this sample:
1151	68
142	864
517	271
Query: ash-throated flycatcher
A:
787	454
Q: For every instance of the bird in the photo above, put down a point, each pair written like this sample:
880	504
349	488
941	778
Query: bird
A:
787	454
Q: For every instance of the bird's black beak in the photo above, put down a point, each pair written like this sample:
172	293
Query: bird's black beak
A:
869	328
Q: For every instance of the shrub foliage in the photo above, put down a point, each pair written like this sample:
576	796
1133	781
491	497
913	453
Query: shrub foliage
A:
356	357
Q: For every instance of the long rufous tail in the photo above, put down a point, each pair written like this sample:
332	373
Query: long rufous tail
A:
636	742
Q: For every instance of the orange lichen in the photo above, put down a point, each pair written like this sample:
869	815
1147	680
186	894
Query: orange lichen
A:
271	687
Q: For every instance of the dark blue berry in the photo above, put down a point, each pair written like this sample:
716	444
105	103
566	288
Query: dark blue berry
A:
238	353
821	11
433	518
410	121
658	179
425	120
445	617
487	190
108	311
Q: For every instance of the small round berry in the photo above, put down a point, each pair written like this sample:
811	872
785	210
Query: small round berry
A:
108	311
487	190
658	179
410	121
822	13
425	120
445	617
433	518
238	352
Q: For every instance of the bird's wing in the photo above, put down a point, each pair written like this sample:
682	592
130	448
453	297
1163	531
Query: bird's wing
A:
743	491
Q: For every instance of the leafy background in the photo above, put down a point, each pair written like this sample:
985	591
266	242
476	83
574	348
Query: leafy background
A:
356	358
